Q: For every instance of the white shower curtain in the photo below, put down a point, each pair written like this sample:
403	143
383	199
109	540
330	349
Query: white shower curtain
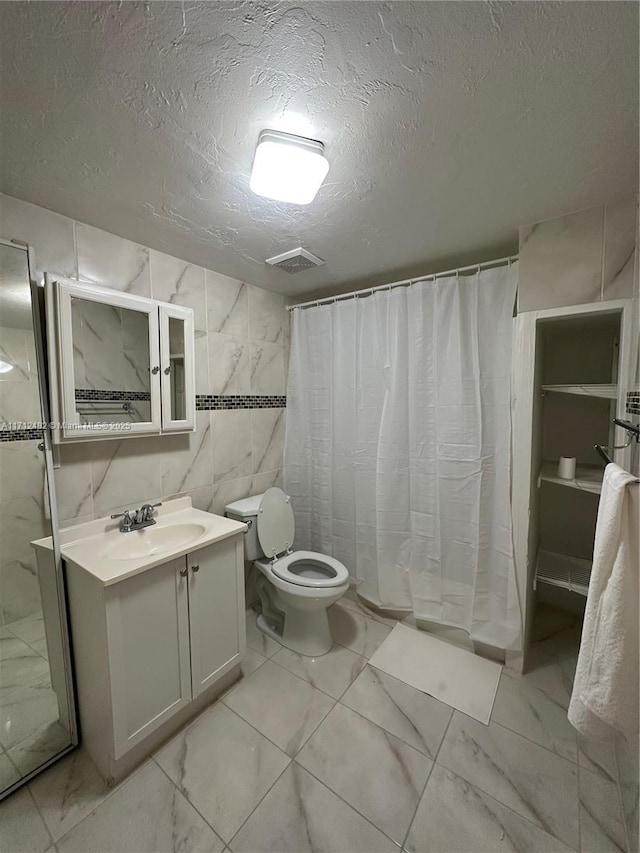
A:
397	452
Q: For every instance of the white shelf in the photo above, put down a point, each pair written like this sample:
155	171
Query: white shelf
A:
607	391
572	573
588	477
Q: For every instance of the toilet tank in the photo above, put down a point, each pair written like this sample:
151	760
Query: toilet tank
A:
246	511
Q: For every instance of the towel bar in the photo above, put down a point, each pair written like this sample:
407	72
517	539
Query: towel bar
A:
633	432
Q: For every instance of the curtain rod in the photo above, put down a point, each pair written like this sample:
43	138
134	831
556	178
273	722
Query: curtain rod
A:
404	283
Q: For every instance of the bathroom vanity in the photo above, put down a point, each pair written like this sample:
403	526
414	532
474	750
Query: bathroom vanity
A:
157	625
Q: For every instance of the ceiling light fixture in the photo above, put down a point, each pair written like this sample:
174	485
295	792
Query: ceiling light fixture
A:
287	167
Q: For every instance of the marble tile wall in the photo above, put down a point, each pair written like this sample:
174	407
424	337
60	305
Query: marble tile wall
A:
587	256
242	347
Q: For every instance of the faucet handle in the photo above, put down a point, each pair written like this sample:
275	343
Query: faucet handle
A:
124	514
146	511
129	518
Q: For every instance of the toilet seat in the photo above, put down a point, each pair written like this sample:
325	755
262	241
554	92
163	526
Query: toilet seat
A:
328	571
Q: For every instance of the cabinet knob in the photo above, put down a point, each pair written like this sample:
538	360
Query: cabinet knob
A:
183	572
195	568
155	370
167	370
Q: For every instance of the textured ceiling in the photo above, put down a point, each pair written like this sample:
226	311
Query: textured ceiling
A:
447	125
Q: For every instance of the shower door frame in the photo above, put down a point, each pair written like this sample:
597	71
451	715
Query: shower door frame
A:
46	447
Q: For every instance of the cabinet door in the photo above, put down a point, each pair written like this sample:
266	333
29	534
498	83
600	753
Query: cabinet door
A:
148	636
177	368
107	344
216	611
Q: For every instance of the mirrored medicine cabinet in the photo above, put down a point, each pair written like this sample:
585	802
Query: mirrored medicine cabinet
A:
120	365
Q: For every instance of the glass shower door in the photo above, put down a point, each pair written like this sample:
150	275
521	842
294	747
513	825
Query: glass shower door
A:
37	721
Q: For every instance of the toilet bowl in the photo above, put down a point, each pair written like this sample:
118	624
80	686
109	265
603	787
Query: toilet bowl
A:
295	587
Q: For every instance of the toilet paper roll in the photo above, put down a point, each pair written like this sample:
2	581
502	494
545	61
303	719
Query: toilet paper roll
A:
567	467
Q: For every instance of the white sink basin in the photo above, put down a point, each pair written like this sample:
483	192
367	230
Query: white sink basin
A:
153	540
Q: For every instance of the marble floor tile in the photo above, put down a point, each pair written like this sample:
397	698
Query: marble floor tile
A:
300	815
280	705
25	711
565	643
453	817
351	601
555	677
68	791
258	641
376	773
8	772
598	757
535	783
453	636
39	746
552	621
147	814
356	632
534	714
223	767
332	673
413	716
30	629
21	827
601	823
19	575
40	646
19	664
251	661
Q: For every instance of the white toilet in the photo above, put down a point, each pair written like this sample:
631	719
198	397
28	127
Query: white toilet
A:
295	587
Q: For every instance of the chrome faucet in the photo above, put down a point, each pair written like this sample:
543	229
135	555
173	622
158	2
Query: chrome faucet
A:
136	519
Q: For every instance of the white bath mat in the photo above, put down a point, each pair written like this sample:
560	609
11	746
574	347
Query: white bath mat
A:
452	675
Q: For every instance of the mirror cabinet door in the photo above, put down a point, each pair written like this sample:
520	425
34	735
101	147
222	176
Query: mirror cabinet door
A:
110	363
175	369
177	358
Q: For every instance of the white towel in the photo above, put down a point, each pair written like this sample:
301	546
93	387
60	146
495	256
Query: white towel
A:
605	691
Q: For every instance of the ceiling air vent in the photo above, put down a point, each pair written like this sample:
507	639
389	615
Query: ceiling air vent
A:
297	260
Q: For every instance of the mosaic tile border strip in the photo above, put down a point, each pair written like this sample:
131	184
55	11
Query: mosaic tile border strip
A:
21	435
91	395
633	403
211	402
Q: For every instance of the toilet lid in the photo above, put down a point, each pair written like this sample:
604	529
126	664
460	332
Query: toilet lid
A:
276	527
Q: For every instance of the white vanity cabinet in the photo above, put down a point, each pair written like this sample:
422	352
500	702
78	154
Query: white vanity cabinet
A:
120	365
152	649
